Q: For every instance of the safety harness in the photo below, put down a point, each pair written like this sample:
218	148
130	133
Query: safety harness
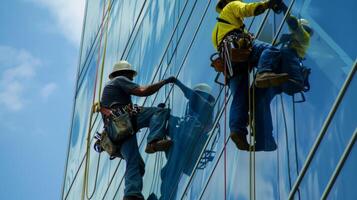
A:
120	123
235	46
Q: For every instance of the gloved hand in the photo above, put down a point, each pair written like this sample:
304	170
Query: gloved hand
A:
171	79
276	5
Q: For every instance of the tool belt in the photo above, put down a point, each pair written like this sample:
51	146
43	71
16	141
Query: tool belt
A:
235	48
122	123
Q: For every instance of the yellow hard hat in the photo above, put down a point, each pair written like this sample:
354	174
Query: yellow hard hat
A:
122	66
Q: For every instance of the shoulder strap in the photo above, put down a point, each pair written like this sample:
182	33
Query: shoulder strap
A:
223	21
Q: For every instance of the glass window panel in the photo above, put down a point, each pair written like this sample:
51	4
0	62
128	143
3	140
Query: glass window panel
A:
332	146
344	187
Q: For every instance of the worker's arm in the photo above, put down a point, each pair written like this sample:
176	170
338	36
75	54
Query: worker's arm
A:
188	92
143	91
241	9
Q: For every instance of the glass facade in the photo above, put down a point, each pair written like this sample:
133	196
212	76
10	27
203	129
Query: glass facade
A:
163	38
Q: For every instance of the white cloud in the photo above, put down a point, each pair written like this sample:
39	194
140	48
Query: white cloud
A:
48	89
68	15
18	68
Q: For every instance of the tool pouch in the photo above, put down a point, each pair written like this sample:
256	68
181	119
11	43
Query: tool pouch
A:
107	144
240	47
120	128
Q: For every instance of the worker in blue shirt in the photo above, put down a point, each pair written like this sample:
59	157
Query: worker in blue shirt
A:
117	97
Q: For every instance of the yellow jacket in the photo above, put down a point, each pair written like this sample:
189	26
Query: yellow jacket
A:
235	12
300	38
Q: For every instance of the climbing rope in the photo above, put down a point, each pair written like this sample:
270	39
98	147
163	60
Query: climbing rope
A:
295	142
92	111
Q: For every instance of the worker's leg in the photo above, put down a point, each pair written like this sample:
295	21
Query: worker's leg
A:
135	168
291	64
238	115
266	58
156	119
263	119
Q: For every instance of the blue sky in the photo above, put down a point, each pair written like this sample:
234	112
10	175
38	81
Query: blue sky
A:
39	47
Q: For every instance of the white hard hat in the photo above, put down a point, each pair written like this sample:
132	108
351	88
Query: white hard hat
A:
203	87
121	66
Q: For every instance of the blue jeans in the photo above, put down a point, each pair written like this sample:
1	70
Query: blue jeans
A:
291	64
264	57
154	118
238	114
263	118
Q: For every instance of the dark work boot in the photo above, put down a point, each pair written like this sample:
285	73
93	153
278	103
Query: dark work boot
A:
158	145
240	141
268	145
270	79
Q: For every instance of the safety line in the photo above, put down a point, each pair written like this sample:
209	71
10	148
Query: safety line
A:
295	142
277	140
79	73
277	124
80	165
84	188
83	70
73	106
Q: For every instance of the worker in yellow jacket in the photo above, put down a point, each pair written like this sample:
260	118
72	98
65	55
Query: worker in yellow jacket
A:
230	27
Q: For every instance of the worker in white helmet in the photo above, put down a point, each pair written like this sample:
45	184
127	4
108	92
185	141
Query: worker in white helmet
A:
117	97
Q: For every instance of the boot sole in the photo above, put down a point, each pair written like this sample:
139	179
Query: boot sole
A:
271	81
159	146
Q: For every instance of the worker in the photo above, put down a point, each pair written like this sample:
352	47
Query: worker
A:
189	134
230	27
293	50
117	96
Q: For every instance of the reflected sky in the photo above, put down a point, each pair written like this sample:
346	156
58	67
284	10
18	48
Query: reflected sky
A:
156	47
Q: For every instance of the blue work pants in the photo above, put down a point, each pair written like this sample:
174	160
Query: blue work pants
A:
155	119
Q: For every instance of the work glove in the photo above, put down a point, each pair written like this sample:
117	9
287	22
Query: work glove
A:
276	5
171	79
